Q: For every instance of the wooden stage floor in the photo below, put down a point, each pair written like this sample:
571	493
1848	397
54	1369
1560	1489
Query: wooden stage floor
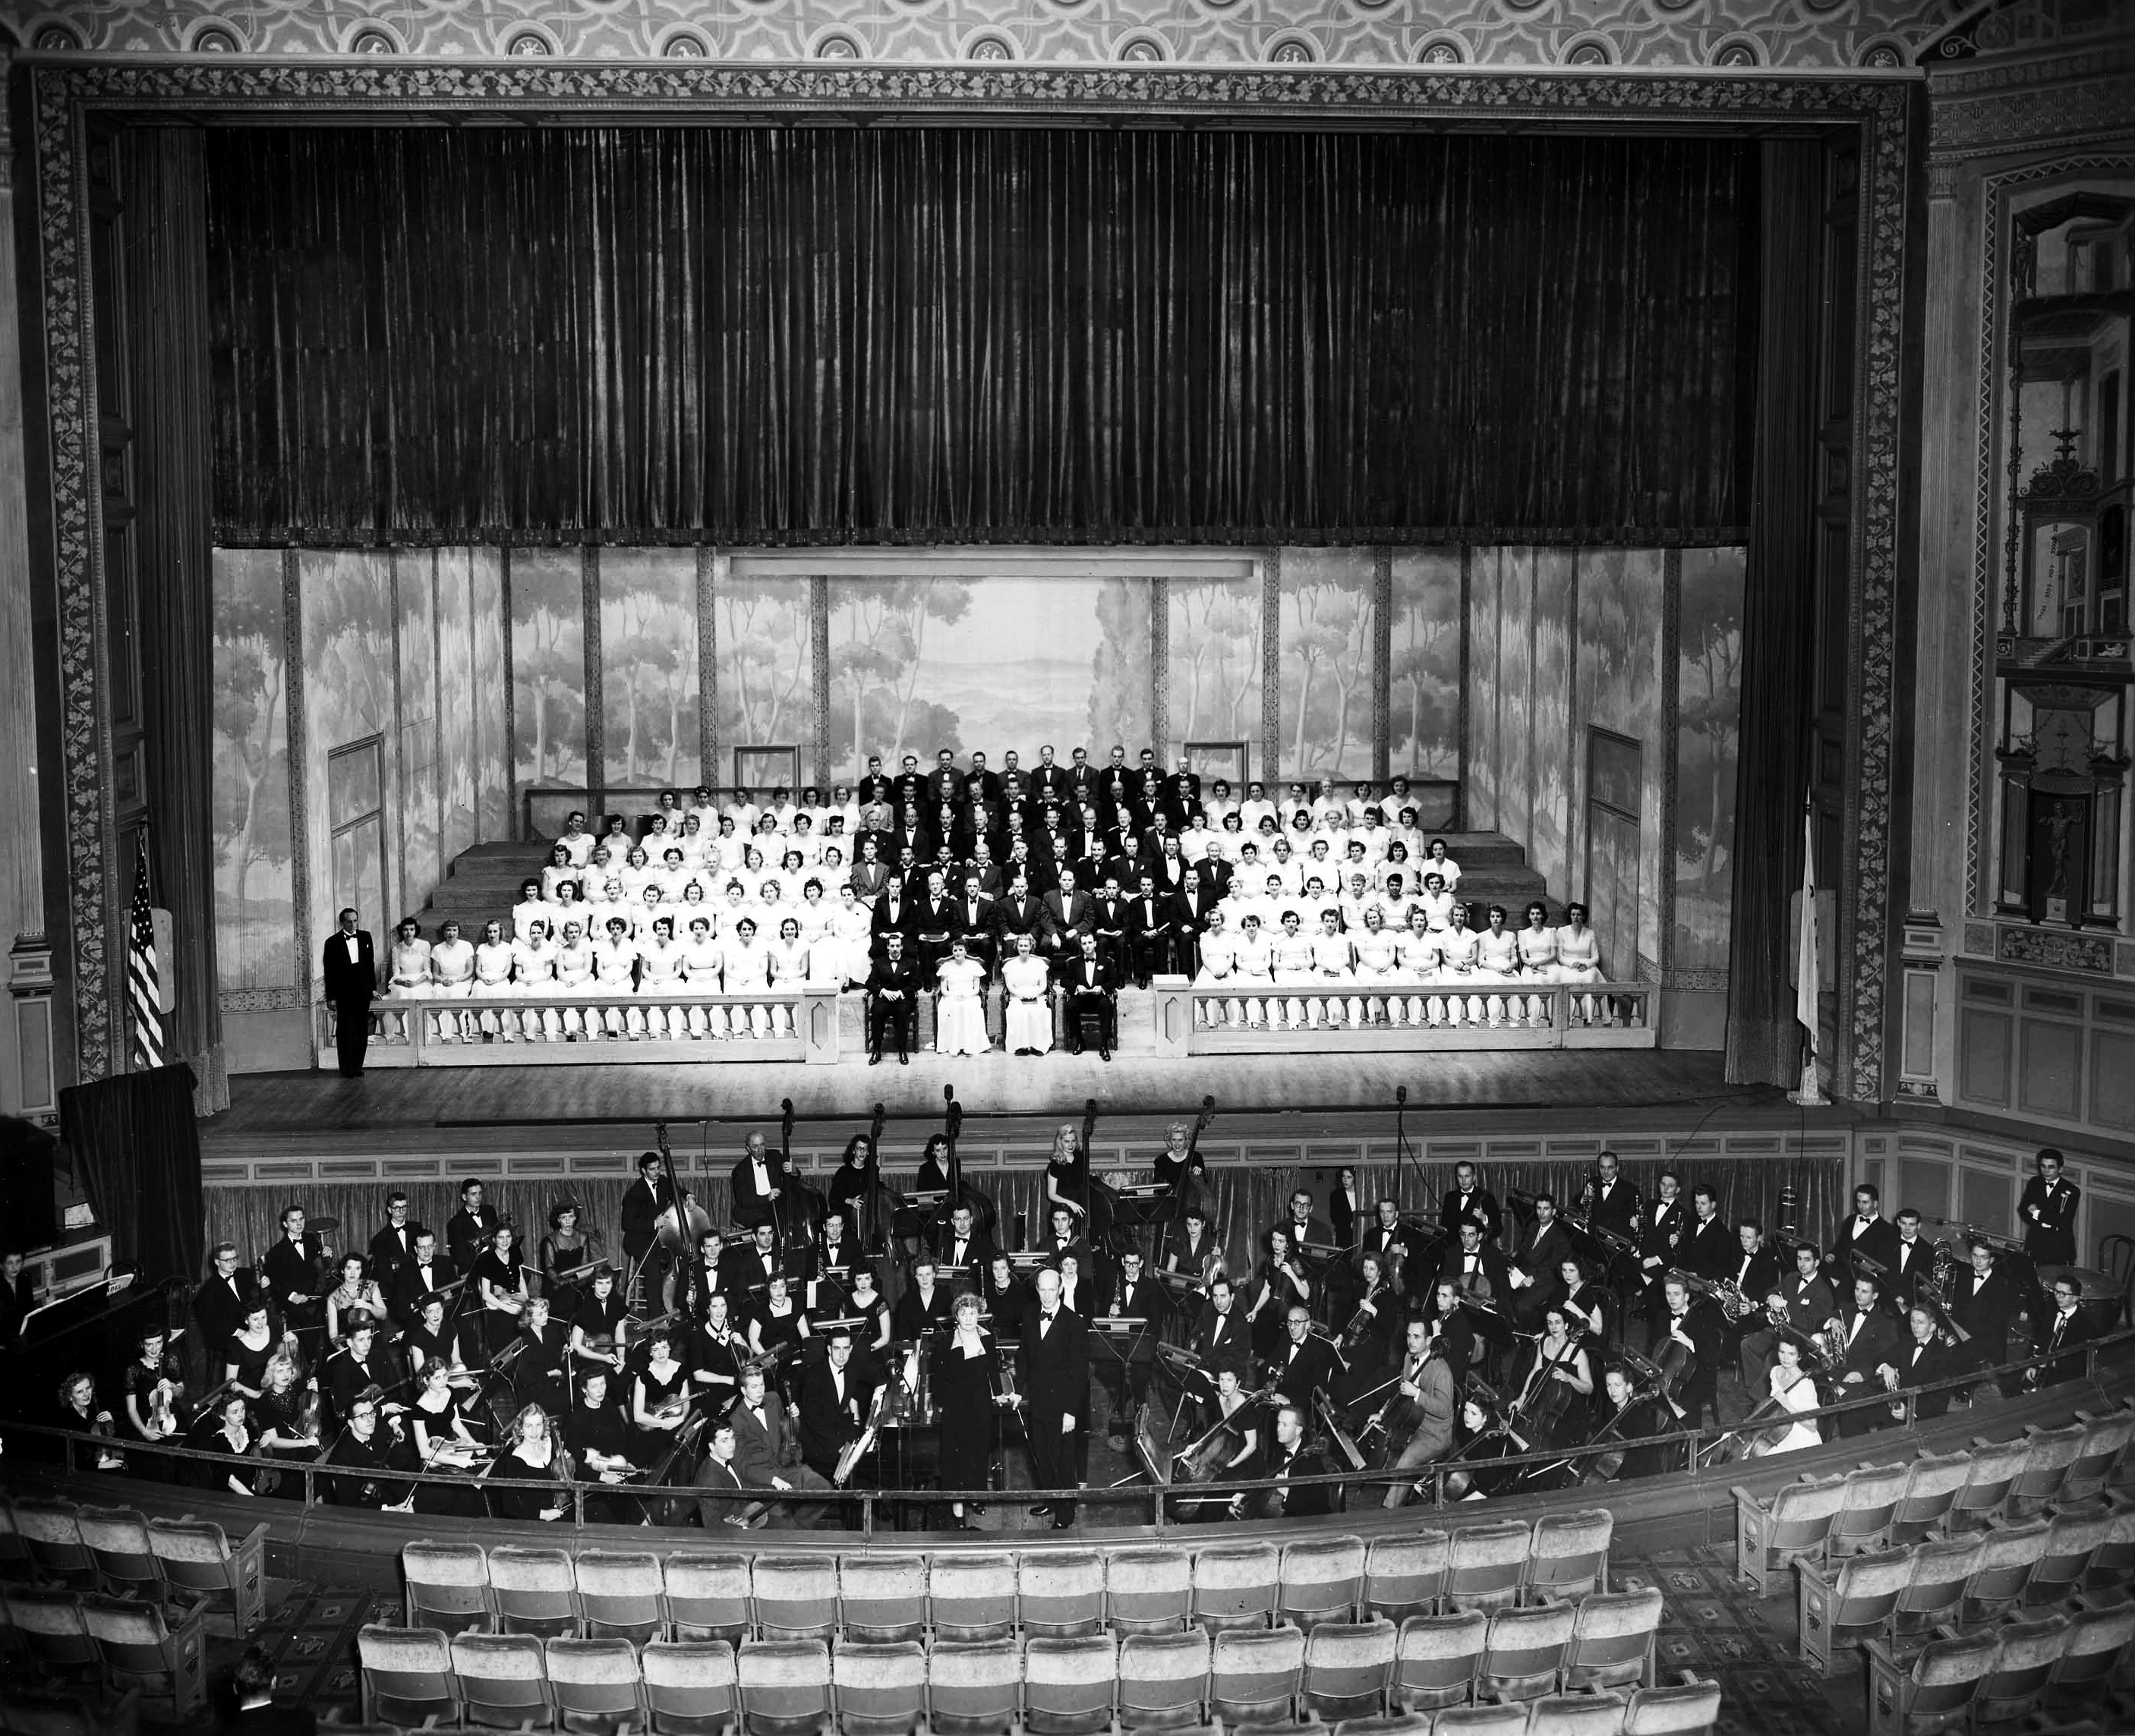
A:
492	1108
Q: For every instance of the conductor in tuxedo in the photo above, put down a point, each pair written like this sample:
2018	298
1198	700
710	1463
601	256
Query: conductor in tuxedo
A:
1055	1358
351	981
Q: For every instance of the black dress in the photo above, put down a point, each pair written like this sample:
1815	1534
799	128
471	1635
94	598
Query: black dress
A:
524	1503
282	1413
446	1490
250	1364
1269	1334
648	1445
498	1326
964	1387
435	1346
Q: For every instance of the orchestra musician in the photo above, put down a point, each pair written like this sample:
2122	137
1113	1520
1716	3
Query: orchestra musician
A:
1628	1414
1291	1456
1005	1297
1920	1362
830	1290
363	1449
924	1305
1697	1326
759	1182
1470	1199
1656	1250
496	1280
1131	1295
643	1201
1871	1337
1344	1211
426	1272
1912	1260
1393	1241
717	1474
295	1275
2047	1212
1753	1270
746	1269
1426	1381
361	1362
1301	1367
220	1305
394	1245
1982	1301
1864	1232
1222	1334
1054	1366
537	1369
960	1245
1705	1249
598	1444
1476	1268
155	1390
1610	1201
2056	1338
1192	1251
598	1330
660	1395
964	1372
1280	1285
1175	1164
470	1228
1590	1307
1802	1302
1549	1417
1448	1324
1538	1253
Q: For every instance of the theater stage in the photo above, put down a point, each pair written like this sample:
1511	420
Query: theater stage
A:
444	1110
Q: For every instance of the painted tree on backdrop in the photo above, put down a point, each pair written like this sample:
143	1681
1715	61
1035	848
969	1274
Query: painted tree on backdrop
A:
1710	706
252	767
549	678
1119	667
1424	678
651	648
878	639
764	689
1328	640
1215	658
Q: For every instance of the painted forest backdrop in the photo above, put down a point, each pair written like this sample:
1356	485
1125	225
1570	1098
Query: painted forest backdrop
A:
473	675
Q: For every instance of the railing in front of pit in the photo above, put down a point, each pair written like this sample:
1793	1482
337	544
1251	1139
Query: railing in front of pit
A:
1698	1448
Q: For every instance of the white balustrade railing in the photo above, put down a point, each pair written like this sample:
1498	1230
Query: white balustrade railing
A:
1258	1016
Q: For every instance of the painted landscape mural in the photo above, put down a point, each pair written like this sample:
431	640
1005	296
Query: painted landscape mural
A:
1328	618
1709	701
1213	632
256	930
648	603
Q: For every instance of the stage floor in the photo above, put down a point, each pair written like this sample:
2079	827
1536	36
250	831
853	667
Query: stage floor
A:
489	1108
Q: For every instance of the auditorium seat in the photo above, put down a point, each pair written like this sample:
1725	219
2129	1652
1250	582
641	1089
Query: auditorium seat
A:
1569	1556
16	1565
707	1596
1995	1466
2105	1442
2114	1563
2053	1454
1612	1640
784	1686
1147	1590
971	1597
536	1591
1932	1484
1069	1684
1851	1602
1254	1675
689	1686
1235	1585
1347	1668
878	1687
1524	1656
199	1561
972	1685
622	1595
503	1680
1391	1724
27	1711
51	1529
50	1625
2100	1630
1792	1526
1163	1680
1488	1565
2025	1654
1577	1714
793	1598
1688	1707
1407	1576
1932	1691
1862	1523
406	1674
2075	1535
165	1658
2007	1553
447	1587
1320	1581
882	1598
598	1686
1942	1567
1481	1721
1436	1658
117	1540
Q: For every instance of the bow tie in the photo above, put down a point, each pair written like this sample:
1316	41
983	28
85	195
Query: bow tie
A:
1049	1312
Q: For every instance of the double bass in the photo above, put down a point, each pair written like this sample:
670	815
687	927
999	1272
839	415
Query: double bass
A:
1183	1193
1099	1203
681	1227
798	1213
961	1192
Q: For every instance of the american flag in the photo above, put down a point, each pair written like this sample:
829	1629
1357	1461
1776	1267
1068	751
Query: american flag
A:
143	971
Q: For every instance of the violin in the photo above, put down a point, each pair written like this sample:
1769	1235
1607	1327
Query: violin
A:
1365	1319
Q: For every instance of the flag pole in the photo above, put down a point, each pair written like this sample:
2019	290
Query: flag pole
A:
1810	1094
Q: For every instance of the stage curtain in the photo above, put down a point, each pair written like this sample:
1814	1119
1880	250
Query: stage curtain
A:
1778	598
136	1145
166	296
754	334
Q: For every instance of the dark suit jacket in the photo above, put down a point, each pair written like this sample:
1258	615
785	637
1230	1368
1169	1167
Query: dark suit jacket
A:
1013	916
1076	974
1491	1264
1875	1344
826	1426
1070	916
1298	1378
1199	897
389	1251
1054	1367
466	1236
1808	1304
1481	1203
218	1310
1762	1278
405	1295
887	920
289	1273
1676	1217
901	975
1876	1241
1285	1502
1615	1212
1540	1254
2049	1239
1936	1362
1709	1248
978	1250
1911	1265
750	1207
1223	1340
762	1451
347	982
2079	1331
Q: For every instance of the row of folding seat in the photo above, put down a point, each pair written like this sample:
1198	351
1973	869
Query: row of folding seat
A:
68	1637
2067	1660
119	1549
1877	1506
988	1594
1341	1671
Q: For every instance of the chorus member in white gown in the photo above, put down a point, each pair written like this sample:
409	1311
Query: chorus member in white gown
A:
577	841
530	909
1793	1389
559	868
694	844
649	907
1579	959
1289	960
569	906
675	874
1537	943
408	971
1437	902
703	966
748	974
789	969
638	873
1437	862
615	972
1332	963
660	966
960	1008
577	967
452	978
851	930
1255	970
1416	963
1497	960
492	979
1218	949
534	972
1459	958
1028	1012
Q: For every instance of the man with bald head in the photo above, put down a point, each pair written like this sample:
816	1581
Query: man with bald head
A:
1055	1366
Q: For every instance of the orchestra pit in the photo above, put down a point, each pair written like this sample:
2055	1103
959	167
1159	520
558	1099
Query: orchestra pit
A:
1067	867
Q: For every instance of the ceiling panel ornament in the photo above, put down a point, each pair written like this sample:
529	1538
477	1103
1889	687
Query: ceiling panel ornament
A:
1823	34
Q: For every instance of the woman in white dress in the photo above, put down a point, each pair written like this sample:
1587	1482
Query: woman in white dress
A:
1290	955
1416	961
637	873
531	907
408	971
1255	970
577	968
1437	862
850	933
559	868
696	846
1218	948
1331	968
452	978
815	916
1579	959
659	974
1538	944
1437	902
748	973
1497	960
1793	1391
789	969
534	972
492	979
1029	1014
1459	958
1373	949
615	972
960	1010
703	966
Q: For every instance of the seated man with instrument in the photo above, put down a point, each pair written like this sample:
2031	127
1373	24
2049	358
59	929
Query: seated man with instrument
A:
1921	1362
959	1244
1745	1285
1804	1301
644	1202
427	1271
746	1269
768	1453
2058	1339
760	1184
1630	1413
1690	1349
1475	1267
297	1280
1222	1337
1291	1455
1414	1425
361	1362
1301	1368
1866	1339
1982	1303
1130	1295
366	1447
837	1397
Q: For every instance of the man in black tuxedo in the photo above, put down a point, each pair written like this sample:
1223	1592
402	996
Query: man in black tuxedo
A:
297	1280
894	913
874	787
1538	1251
768	1456
909	787
1754	1269
746	1269
1669	1223
1222	1338
1051	785
758	1183
1128	1294
395	1244
219	1305
958	1243
980	785
1088	985
2047	1212
1871	1341
427	1270
1020	913
1609	1201
1394	1242
1469	1198
1920	1362
1982	1301
1109	922
836	1398
934	918
1708	1249
1698	1326
1053	1361
1153	937
1475	1267
892	990
1302	1365
1195	905
1182	793
975	927
945	783
2056	1338
1912	1260
351	985
1289	1458
642	1203
1866	1231
1069	916
468	1231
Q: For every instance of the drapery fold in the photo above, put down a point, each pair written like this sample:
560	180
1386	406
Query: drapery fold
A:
942	334
138	1145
